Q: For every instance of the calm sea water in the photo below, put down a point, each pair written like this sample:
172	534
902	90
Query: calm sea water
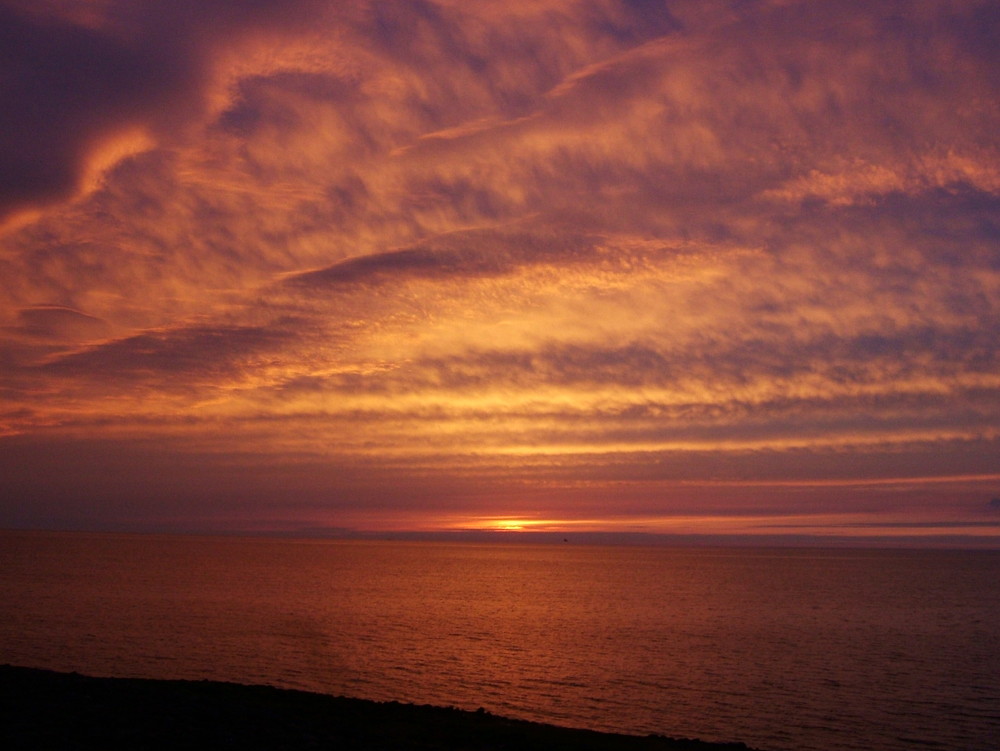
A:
782	649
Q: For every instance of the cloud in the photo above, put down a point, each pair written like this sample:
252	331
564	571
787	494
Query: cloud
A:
413	262
628	242
194	353
55	322
494	252
76	81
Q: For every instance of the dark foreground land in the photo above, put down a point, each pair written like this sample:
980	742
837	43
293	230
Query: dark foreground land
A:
40	709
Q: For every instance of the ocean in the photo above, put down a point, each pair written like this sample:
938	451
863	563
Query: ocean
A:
783	649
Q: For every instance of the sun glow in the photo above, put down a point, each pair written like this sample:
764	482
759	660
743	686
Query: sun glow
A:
516	524
510	524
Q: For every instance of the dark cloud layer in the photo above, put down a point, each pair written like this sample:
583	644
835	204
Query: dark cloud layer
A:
66	87
471	253
194	352
59	323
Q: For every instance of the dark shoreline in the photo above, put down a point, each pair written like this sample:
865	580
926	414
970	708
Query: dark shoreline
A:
45	709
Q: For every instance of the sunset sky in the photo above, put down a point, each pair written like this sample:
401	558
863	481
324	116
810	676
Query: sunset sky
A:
721	267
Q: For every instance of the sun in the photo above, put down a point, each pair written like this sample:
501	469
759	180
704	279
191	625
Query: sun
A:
498	523
511	525
504	523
